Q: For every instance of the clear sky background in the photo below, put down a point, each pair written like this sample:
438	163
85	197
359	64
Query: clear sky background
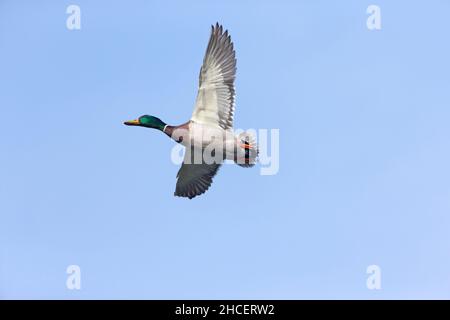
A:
364	151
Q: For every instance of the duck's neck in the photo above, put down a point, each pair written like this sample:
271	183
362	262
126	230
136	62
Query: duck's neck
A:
177	133
168	129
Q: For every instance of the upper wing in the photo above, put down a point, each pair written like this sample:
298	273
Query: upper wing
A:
215	98
194	179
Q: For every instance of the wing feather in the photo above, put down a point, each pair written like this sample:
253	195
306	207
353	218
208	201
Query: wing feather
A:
216	94
194	179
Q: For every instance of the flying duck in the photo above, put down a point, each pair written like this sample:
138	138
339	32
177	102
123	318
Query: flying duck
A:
209	136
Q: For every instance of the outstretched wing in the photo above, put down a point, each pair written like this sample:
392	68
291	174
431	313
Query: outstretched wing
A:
194	179
215	98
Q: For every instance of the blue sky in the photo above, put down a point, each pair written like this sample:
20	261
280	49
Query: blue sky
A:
364	151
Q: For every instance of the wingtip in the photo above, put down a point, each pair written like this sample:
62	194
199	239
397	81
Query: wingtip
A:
218	28
185	195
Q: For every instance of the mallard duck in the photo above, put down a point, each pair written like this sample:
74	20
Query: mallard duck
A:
209	133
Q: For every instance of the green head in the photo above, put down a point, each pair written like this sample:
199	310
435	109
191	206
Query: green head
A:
148	122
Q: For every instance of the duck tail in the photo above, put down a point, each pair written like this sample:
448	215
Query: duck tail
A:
247	151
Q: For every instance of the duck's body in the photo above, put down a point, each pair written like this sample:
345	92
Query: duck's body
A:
201	136
208	136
